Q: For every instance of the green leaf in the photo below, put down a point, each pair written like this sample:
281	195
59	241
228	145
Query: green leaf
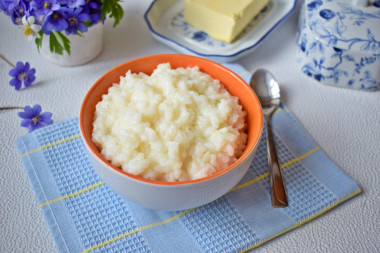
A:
114	9
66	42
87	23
118	14
38	41
79	33
55	46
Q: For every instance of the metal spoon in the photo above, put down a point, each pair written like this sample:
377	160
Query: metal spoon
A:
268	91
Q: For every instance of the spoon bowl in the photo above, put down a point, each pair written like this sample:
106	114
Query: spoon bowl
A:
267	90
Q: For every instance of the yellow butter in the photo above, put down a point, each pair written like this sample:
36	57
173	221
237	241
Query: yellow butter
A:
222	19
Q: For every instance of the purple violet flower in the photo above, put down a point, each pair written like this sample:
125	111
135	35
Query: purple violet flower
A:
4	6
72	3
16	9
75	18
22	73
10	5
33	119
54	21
44	7
94	10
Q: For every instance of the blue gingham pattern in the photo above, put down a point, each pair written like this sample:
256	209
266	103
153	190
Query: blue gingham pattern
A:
85	215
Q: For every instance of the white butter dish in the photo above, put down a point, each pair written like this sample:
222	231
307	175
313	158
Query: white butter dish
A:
166	23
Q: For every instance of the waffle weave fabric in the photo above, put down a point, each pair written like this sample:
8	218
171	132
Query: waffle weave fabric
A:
85	215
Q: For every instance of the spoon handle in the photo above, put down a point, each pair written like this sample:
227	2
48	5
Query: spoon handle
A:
276	183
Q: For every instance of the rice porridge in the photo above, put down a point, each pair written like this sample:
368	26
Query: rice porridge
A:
174	125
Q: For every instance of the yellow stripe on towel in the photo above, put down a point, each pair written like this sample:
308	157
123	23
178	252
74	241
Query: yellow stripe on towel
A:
298	158
50	145
190	210
281	167
244	73
304	221
139	229
72	194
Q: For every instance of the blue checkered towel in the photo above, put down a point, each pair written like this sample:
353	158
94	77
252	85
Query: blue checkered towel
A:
85	215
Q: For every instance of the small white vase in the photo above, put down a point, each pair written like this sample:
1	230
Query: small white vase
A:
83	48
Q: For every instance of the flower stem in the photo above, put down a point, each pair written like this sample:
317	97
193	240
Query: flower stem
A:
7	61
11	108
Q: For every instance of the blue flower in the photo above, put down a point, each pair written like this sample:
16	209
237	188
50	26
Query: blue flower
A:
94	9
75	18
22	73
44	7
54	21
327	14
3	7
73	3
33	119
16	9
199	36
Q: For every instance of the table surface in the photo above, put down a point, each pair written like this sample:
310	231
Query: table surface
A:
345	123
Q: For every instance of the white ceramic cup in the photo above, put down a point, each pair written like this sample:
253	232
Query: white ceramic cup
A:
83	48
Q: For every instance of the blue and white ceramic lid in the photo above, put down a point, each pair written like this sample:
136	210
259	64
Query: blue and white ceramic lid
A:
345	24
339	43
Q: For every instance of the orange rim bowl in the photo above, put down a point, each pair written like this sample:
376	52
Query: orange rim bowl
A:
233	83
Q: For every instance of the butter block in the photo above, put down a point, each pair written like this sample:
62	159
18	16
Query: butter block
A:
222	19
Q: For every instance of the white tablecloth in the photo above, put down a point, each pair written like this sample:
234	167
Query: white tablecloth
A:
344	122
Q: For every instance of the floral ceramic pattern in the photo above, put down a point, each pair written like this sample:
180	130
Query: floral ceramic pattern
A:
186	30
339	44
190	32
